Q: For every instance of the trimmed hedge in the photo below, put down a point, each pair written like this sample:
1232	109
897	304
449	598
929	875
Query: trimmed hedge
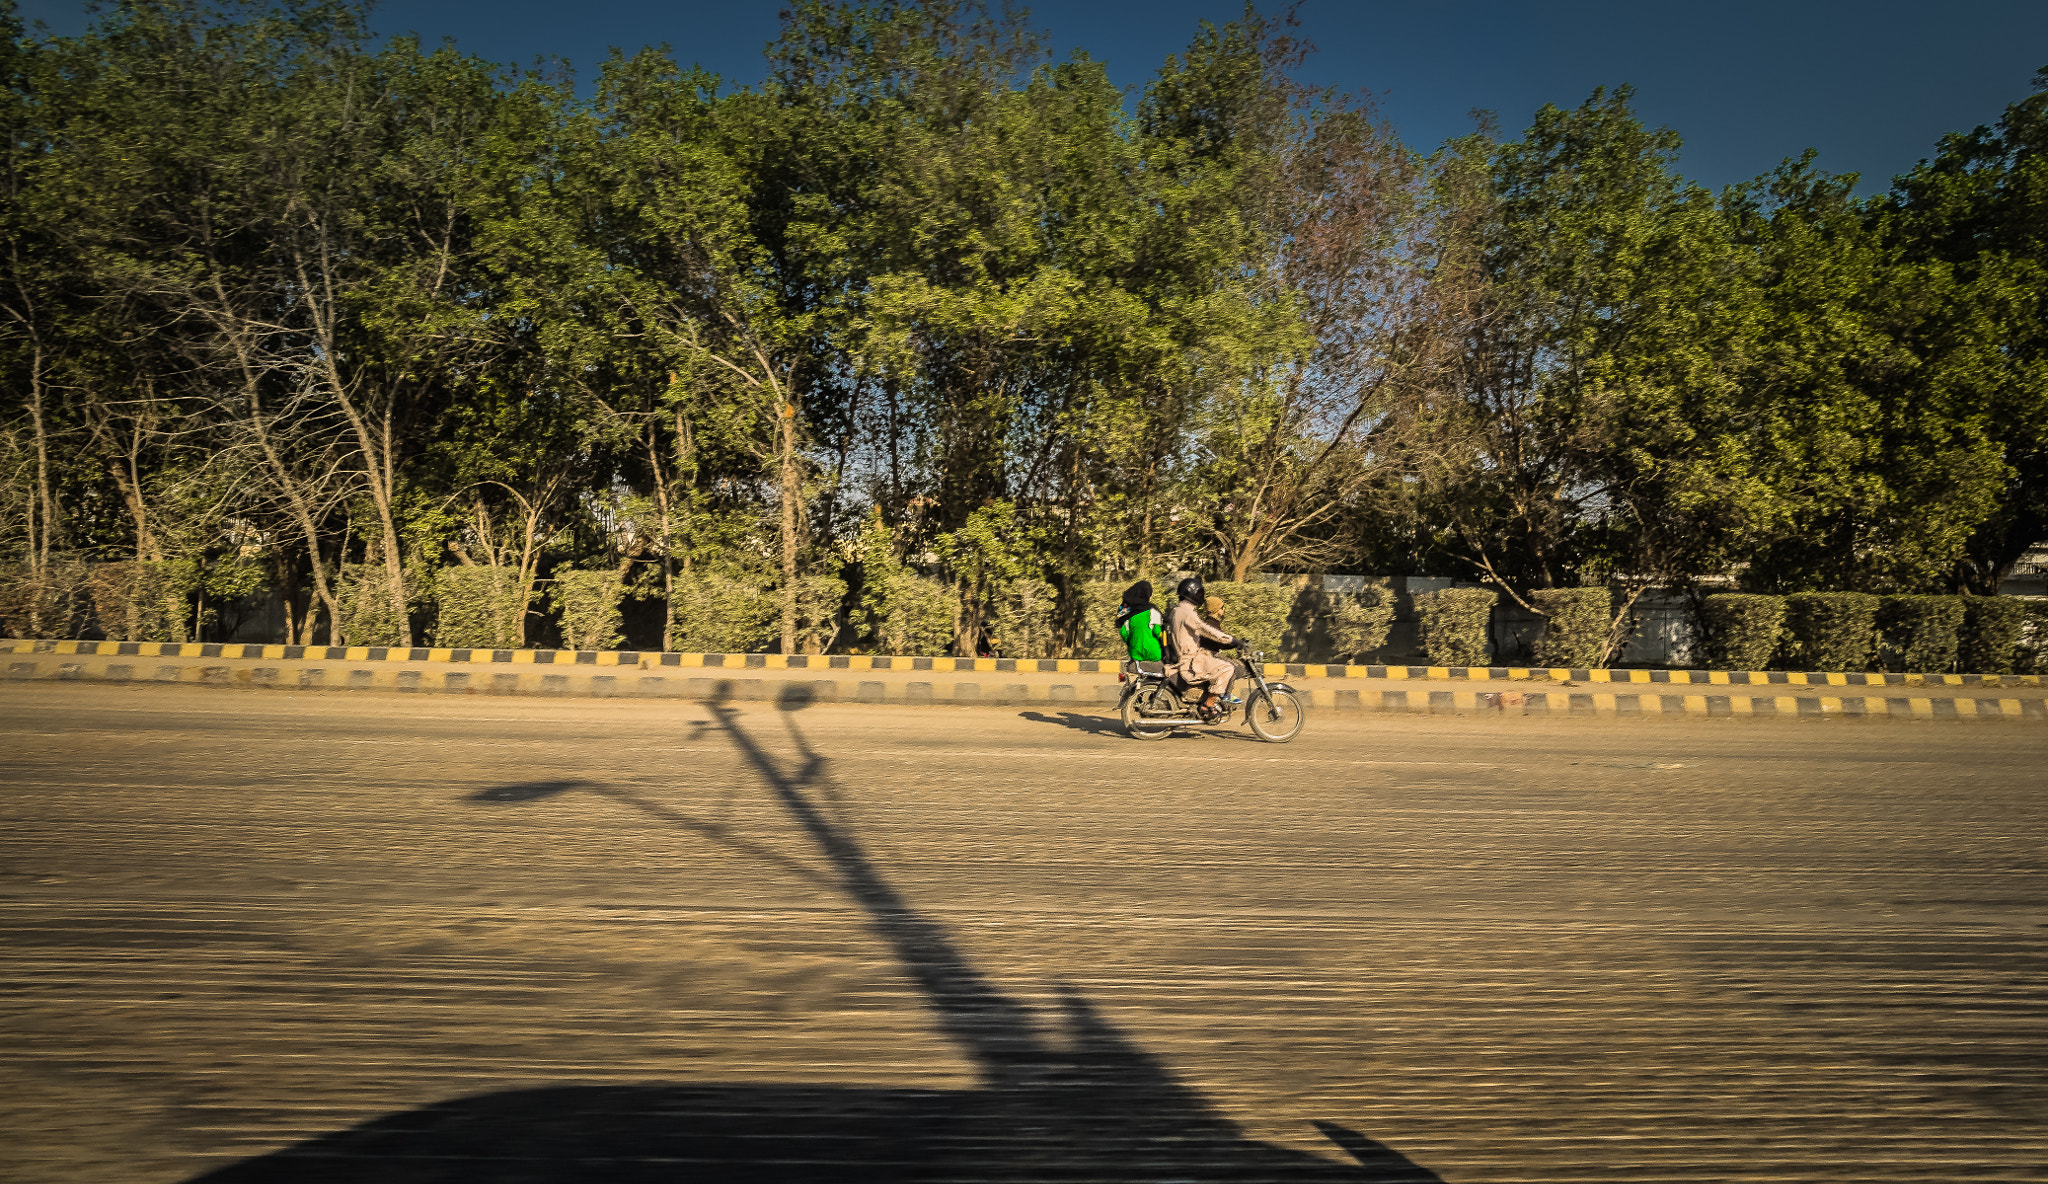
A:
1575	628
588	606
716	612
144	600
1360	621
1255	613
910	615
1743	630
1454	624
1921	633
480	608
367	617
1830	630
1023	620
42	603
2034	639
1991	633
1099	601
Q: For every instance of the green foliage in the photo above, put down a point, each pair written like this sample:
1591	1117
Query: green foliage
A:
1991	633
1829	631
367	614
481	608
903	612
989	558
1026	617
1454	625
1743	630
927	269
231	583
1921	632
43	604
2033	646
716	612
819	600
587	604
1360	621
1577	622
1968	222
1255	613
140	600
910	615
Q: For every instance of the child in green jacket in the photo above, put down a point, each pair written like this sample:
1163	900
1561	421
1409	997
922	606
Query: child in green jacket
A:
1140	625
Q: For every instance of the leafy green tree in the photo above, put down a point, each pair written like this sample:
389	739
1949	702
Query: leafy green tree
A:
1606	305
1873	459
1974	218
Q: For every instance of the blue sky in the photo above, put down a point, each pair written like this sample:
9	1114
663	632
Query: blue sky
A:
1871	84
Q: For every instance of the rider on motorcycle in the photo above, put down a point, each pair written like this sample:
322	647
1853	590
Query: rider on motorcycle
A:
1140	625
1195	665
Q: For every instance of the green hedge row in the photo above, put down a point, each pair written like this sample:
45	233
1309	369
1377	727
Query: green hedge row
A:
481	608
1360	621
1454	622
1922	633
905	613
1577	622
1829	631
1856	631
1741	630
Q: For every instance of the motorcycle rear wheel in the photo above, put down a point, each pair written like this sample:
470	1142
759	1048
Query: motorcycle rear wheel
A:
1137	704
1275	716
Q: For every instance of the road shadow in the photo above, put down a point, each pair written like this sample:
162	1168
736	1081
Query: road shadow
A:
1228	728
1062	1095
1094	725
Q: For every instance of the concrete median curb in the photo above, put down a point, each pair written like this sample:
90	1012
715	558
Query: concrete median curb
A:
902	681
656	662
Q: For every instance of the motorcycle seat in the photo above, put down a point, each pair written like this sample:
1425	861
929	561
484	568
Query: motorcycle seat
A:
1151	669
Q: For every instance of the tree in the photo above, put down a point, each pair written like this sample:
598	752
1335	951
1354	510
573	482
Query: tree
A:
1603	303
1975	217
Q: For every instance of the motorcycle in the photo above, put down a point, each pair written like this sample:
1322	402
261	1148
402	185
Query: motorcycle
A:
1154	705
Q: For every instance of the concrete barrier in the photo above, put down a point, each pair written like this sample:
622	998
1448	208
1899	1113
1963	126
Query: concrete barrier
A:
1069	683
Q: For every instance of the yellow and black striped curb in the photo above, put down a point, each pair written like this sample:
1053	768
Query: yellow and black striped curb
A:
1099	691
648	660
585	681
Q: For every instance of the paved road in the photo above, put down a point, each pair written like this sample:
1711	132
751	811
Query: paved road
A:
273	936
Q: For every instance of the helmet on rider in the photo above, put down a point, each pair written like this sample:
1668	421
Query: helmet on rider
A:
1191	589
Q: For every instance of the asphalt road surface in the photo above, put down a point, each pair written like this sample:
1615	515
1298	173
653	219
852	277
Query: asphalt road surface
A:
279	936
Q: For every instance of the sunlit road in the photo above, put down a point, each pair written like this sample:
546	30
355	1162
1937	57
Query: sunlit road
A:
275	936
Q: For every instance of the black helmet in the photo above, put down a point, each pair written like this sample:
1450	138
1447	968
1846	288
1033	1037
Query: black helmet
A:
1191	589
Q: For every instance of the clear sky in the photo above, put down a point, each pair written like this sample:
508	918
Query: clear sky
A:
1871	83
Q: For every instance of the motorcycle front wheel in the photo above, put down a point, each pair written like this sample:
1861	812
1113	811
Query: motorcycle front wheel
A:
1275	716
1137	704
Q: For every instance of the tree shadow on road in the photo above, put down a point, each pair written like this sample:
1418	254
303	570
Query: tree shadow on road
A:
1065	1097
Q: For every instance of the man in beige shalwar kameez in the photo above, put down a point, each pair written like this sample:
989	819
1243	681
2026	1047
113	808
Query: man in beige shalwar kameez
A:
1197	666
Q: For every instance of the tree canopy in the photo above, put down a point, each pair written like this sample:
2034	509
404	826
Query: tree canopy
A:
925	308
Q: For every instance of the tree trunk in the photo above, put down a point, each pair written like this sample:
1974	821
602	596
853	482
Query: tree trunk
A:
790	493
39	541
668	564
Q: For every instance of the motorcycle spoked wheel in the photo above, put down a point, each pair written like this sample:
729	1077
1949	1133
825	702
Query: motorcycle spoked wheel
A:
1153	701
1275	716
